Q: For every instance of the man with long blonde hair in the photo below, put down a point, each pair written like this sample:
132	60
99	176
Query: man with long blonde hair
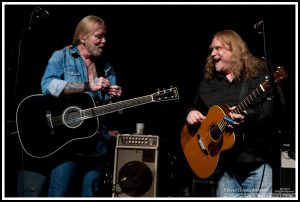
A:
76	69
231	73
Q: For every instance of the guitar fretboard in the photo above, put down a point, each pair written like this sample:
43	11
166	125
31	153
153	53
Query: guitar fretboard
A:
114	107
244	104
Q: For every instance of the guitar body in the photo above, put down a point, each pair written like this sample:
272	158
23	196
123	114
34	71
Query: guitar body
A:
202	146
46	123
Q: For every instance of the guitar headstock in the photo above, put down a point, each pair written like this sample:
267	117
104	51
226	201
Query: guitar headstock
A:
278	76
166	95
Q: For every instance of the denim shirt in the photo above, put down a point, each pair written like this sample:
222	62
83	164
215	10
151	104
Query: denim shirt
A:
66	65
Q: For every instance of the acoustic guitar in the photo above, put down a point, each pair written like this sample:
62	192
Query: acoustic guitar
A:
45	124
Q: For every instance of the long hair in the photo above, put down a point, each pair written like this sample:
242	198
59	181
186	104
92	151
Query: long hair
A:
87	25
244	63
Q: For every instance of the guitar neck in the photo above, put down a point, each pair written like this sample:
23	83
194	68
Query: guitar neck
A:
247	101
114	107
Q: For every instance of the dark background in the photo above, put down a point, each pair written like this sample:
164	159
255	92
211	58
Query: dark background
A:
151	47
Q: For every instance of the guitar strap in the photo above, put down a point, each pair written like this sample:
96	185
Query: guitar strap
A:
244	89
243	94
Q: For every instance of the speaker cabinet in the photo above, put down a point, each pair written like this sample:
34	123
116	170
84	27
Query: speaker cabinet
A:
135	166
287	175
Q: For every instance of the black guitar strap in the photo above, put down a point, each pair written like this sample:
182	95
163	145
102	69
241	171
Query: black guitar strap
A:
243	94
244	89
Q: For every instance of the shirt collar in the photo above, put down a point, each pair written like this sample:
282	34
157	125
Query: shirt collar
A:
74	51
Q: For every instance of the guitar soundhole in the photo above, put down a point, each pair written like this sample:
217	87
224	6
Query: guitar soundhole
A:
72	117
215	132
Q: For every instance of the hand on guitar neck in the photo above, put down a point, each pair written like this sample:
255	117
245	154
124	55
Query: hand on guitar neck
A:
234	118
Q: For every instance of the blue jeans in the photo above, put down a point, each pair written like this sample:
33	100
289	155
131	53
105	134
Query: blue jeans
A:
258	183
62	177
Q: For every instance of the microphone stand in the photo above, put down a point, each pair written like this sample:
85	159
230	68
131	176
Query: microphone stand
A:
260	28
37	13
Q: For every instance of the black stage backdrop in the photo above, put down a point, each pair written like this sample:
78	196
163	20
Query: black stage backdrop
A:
151	47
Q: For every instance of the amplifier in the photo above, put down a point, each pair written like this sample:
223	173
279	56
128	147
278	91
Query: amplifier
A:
135	166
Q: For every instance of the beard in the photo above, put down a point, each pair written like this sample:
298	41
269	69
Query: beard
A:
96	51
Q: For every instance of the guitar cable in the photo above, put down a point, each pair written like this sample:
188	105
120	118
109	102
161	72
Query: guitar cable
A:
113	186
22	177
262	179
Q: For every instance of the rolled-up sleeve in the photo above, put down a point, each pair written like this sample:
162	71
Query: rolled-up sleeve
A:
52	82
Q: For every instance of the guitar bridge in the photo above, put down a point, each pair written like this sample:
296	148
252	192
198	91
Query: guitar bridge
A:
202	147
49	120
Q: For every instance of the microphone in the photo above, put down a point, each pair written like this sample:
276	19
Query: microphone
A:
257	26
41	13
